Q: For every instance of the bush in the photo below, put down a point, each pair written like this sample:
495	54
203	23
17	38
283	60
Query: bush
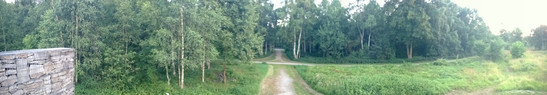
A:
357	60
440	62
517	49
521	83
523	66
243	79
489	49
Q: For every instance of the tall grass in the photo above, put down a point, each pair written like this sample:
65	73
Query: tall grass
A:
526	73
402	79
243	79
355	60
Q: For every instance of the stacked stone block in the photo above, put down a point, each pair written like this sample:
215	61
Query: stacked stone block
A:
38	71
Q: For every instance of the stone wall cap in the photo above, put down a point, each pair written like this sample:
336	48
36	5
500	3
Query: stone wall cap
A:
32	51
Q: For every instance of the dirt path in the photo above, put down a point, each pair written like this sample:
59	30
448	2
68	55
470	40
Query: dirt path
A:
284	83
277	82
284	80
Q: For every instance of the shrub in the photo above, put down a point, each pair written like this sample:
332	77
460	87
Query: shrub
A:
517	49
524	66
440	62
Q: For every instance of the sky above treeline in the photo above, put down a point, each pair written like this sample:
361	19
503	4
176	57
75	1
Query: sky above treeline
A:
497	14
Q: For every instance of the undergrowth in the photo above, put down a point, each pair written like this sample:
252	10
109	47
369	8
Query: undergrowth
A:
355	60
431	77
243	79
406	79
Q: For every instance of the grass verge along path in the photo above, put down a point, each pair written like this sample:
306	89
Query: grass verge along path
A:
243	79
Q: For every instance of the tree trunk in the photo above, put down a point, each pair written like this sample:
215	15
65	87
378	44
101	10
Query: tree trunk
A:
173	54
178	70
298	49
304	46
362	36
369	34
173	65
224	73
208	63
409	51
181	76
310	47
167	74
182	49
61	36
5	45
203	64
203	71
294	45
75	45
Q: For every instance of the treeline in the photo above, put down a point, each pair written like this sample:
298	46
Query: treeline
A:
397	29
538	39
119	41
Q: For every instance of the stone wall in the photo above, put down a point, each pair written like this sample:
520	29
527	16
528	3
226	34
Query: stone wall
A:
38	71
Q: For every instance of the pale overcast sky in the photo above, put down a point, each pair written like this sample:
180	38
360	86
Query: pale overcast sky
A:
498	14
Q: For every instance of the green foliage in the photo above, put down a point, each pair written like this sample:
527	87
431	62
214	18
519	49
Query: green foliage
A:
406	79
440	62
539	38
116	39
490	49
511	37
495	51
49	31
517	49
120	72
524	66
526	73
480	47
357	60
521	83
436	29
244	80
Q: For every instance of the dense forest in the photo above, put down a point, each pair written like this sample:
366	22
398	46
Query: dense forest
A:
119	41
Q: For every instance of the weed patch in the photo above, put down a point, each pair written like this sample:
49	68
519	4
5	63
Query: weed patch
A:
243	79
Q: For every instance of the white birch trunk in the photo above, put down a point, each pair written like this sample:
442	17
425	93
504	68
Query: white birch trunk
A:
298	49
182	50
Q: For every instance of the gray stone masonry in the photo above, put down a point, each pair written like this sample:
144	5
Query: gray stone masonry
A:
37	72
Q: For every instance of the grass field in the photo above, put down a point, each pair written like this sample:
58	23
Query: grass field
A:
435	77
243	79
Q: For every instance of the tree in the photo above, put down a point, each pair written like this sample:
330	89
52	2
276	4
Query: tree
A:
209	21
331	32
162	43
517	49
412	21
511	36
6	23
373	10
539	38
267	24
